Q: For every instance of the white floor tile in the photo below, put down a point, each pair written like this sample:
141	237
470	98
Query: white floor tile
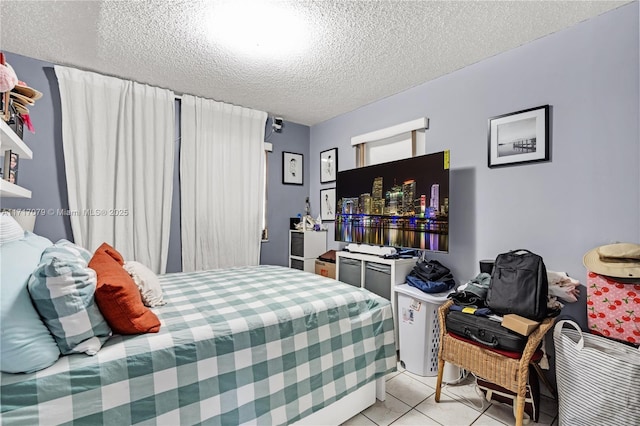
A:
413	418
504	413
486	420
386	412
359	420
448	411
392	375
459	405
466	393
408	390
427	380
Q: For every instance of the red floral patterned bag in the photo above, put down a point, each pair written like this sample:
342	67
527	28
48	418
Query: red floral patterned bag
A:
613	308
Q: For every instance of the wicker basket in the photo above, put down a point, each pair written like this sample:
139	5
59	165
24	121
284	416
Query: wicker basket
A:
504	371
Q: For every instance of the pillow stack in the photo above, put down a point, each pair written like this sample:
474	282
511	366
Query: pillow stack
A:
59	298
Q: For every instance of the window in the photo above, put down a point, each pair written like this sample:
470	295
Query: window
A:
404	140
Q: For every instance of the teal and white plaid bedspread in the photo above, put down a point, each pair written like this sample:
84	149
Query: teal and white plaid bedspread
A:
265	345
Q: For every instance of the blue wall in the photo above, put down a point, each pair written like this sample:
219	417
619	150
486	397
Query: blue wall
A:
559	209
589	76
44	175
586	196
284	201
174	259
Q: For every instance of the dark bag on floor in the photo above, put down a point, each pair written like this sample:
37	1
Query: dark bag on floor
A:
519	285
485	331
495	393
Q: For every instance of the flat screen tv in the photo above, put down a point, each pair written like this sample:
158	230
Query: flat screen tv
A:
403	203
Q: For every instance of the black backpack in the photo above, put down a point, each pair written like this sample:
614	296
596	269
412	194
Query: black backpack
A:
519	285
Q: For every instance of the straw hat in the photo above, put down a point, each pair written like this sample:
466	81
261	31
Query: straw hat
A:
24	100
620	260
22	88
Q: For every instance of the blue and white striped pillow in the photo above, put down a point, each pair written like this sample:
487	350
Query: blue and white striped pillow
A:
62	289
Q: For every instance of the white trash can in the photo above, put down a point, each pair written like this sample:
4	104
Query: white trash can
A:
419	331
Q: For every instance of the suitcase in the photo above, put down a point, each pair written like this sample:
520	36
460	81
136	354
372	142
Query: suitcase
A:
484	331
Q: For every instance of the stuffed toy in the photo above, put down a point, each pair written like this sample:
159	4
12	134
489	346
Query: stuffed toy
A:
8	78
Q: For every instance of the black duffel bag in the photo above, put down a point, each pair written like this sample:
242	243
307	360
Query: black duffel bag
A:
430	270
519	285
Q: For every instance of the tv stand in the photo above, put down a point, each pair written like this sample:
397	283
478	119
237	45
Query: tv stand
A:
376	274
369	249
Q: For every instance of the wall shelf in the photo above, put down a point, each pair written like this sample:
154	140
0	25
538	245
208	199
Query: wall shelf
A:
8	189
9	140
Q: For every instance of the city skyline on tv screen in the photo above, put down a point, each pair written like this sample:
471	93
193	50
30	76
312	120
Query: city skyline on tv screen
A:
403	203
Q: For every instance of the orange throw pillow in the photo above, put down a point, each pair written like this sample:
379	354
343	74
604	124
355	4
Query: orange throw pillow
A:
115	254
118	296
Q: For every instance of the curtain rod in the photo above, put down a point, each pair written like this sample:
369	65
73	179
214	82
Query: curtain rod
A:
176	95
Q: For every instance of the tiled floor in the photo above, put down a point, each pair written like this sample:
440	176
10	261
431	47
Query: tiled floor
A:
410	401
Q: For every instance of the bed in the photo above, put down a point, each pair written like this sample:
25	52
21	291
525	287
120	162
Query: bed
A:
257	345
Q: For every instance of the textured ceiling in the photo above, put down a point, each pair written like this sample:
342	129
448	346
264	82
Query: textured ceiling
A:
351	52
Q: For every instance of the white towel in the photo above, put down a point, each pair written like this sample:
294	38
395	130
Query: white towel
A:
563	286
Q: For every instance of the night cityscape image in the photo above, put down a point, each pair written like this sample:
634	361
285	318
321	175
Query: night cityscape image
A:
402	203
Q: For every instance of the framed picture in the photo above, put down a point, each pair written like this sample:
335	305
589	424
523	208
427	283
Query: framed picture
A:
328	165
5	113
292	168
519	137
11	166
328	204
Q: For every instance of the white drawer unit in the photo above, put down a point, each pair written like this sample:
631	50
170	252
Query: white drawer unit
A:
305	247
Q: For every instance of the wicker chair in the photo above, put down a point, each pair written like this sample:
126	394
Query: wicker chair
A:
507	372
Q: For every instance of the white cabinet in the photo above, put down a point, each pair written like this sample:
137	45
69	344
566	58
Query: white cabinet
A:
376	274
305	247
9	140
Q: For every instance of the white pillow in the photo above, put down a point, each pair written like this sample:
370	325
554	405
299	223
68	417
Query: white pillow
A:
147	283
10	230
